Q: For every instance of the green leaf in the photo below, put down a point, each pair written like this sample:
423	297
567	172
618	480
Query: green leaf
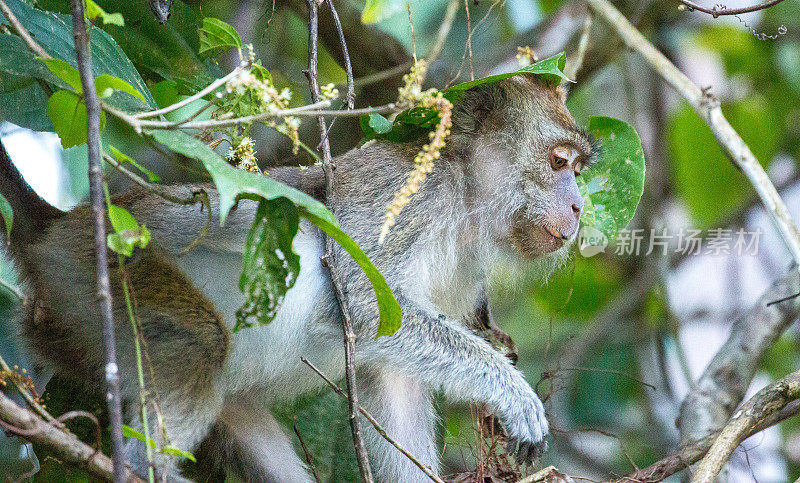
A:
216	34
129	432
127	232
614	185
551	70
93	11
121	219
17	59
7	213
233	183
124	158
270	265
106	84
414	122
53	31
173	451
391	315
66	72
377	10
68	113
379	124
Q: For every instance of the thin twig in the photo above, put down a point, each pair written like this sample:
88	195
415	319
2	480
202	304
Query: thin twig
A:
309	110
23	32
716	12
151	187
709	109
307	454
185	102
348	66
84	59
375	423
347	324
444	31
583	44
29	398
689	453
469	41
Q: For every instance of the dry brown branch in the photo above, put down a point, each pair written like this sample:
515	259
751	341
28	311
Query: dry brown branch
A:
767	401
719	9
329	257
726	378
92	102
375	424
65	446
688	454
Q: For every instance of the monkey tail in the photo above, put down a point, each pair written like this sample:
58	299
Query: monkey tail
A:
32	214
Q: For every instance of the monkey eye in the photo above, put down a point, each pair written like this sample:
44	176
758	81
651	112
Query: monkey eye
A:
558	162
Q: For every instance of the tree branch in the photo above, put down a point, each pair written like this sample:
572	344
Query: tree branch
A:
691	452
329	257
67	447
719	10
376	424
767	401
726	378
708	108
84	59
23	32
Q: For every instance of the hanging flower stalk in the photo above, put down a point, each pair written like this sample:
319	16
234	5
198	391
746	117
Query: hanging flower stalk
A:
412	95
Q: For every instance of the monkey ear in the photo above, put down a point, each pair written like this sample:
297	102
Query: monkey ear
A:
478	110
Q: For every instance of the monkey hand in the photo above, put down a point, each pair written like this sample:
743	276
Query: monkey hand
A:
522	416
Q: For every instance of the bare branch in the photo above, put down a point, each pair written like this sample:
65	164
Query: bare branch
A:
376	424
726	378
84	59
767	401
690	453
583	44
709	109
719	10
66	446
329	257
185	102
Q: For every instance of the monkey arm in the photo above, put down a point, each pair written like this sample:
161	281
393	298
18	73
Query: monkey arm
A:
448	357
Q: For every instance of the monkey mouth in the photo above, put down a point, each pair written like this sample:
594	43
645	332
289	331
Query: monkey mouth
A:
555	234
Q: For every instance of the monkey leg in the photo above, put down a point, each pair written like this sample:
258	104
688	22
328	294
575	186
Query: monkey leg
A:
403	406
248	441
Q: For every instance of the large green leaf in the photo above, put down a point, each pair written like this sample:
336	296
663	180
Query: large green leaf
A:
53	32
613	187
233	183
18	60
270	264
417	121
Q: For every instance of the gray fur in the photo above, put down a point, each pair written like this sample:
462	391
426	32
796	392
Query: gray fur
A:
491	194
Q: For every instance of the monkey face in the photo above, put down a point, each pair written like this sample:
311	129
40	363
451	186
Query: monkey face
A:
536	153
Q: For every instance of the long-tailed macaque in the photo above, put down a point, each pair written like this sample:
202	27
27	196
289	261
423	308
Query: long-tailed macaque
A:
504	185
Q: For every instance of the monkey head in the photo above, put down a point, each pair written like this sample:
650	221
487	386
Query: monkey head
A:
525	152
